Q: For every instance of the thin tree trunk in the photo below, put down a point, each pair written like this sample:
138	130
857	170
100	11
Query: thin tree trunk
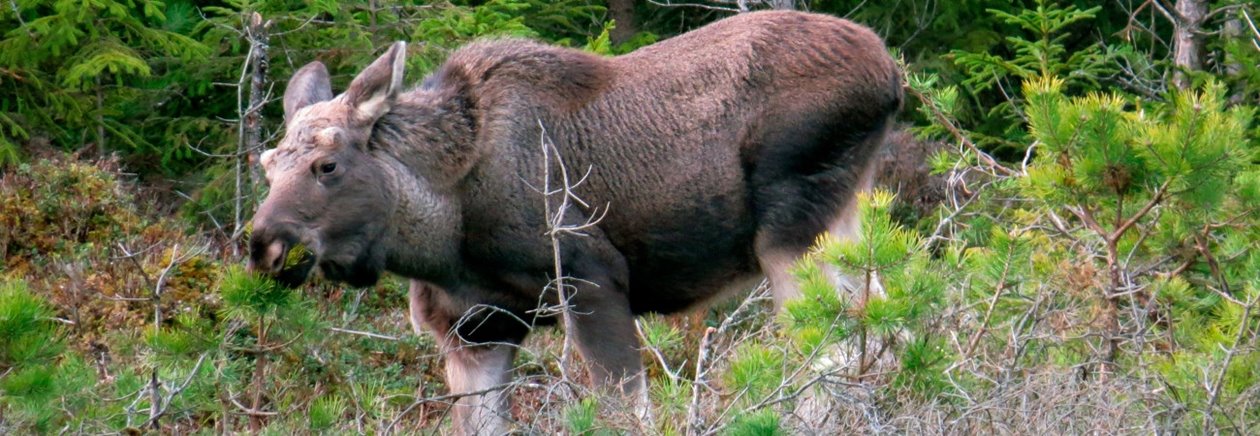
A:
256	422
1233	30
622	12
783	4
250	143
260	64
100	117
1187	40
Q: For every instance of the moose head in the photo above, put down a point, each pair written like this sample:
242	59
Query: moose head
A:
327	191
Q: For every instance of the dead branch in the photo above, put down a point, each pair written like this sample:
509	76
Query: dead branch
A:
695	423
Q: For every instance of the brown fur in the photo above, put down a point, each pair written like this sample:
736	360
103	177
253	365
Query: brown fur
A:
718	156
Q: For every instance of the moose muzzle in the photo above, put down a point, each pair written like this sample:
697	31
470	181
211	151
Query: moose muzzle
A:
269	248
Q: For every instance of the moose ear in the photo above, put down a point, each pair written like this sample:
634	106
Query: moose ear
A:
372	92
308	86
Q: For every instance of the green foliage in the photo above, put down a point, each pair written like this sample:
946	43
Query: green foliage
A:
325	412
1190	150
761	423
37	385
10	132
581	417
1115	182
1044	56
495	18
249	296
670	396
894	288
91	71
1039	53
28	334
601	44
756	371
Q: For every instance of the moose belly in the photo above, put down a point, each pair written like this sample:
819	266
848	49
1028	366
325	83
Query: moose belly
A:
684	256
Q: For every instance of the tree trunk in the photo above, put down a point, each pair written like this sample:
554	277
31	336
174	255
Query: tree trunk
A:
259	64
1232	31
782	4
1187	41
622	12
100	118
250	142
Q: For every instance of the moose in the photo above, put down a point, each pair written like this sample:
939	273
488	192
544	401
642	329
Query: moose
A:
712	159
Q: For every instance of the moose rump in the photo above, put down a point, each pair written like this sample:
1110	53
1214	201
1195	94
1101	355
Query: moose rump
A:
714	158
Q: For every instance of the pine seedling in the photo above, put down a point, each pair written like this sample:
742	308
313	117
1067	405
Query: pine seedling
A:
276	319
28	334
325	412
1137	177
581	417
755	372
670	397
39	388
890	286
764	422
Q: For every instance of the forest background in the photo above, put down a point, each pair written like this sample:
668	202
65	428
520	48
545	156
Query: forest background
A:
1066	230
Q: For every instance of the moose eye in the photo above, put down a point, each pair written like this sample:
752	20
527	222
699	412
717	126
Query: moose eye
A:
327	167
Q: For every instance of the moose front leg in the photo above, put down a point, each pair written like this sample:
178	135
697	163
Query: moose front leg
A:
482	372
478	372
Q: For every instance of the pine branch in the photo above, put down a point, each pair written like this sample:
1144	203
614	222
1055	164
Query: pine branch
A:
1123	227
958	135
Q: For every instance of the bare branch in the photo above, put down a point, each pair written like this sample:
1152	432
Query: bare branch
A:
166	402
1214	389
361	333
668	3
695	423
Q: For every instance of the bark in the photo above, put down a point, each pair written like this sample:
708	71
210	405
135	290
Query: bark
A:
1187	40
622	12
100	118
259	64
249	143
1233	30
782	4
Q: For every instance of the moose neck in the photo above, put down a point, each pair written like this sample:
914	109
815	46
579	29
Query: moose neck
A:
425	227
415	143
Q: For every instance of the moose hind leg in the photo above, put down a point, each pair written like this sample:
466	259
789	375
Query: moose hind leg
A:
800	195
605	334
607	338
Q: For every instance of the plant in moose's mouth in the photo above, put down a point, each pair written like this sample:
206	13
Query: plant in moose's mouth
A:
298	265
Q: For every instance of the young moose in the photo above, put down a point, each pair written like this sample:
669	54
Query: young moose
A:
715	157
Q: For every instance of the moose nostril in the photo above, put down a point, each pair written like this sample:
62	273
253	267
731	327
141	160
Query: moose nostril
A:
275	256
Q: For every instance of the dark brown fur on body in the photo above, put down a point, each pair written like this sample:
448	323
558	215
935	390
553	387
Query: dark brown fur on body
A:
718	155
658	128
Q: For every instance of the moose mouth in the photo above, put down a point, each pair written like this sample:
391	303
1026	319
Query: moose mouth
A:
297	273
293	274
308	265
297	264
